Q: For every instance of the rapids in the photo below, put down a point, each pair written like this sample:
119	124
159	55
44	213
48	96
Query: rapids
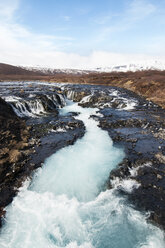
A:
66	204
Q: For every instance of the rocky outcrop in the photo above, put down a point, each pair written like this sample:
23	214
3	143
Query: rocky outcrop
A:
62	131
99	100
76	94
140	134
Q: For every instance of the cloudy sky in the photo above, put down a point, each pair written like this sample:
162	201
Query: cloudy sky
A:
81	34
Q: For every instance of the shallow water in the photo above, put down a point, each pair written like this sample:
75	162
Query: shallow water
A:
64	207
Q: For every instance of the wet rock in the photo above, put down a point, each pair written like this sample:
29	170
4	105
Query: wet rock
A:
96	100
65	132
102	100
144	162
49	104
76	94
110	123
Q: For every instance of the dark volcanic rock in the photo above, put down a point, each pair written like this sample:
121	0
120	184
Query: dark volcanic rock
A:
150	196
141	134
53	141
96	99
76	94
102	100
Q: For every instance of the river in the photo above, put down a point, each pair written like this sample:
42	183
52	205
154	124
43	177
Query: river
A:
67	204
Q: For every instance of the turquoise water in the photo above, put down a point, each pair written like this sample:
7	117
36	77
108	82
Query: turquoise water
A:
63	206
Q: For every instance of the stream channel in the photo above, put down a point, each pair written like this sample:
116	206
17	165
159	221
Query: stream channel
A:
67	204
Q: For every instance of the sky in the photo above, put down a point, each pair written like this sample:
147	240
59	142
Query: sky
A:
81	33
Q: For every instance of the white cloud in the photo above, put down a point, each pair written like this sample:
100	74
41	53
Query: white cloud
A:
134	12
17	42
7	8
140	9
32	57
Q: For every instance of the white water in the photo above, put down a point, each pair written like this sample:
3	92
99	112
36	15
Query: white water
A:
63	206
33	107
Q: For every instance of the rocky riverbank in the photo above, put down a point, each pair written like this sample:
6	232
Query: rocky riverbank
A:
133	123
26	142
140	129
14	149
142	136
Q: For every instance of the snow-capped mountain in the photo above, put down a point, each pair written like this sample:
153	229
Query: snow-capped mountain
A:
52	71
147	65
134	67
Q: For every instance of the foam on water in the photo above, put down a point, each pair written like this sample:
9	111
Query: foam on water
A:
81	170
63	206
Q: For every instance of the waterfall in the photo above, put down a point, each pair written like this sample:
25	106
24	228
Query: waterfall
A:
35	105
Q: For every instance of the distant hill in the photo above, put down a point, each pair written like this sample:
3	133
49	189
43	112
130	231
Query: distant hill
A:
6	69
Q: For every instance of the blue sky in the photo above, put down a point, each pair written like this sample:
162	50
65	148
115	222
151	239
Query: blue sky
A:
70	33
